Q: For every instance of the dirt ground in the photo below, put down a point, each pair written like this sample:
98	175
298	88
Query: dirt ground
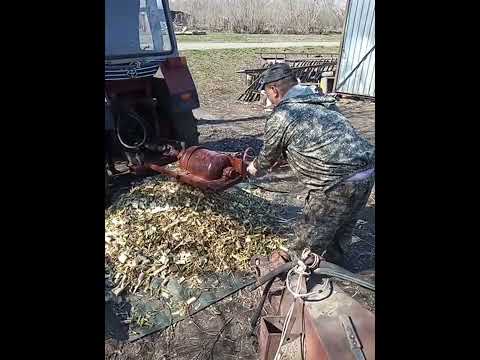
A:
234	133
223	331
218	82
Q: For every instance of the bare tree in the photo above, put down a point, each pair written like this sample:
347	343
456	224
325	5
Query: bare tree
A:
261	16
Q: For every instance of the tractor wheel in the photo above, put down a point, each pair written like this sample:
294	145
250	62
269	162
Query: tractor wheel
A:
185	127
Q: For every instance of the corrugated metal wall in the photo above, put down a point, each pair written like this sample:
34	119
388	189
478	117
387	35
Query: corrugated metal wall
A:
356	68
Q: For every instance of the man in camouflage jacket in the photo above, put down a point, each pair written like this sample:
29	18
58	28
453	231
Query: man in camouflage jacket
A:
335	164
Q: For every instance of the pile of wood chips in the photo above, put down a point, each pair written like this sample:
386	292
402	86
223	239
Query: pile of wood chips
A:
162	229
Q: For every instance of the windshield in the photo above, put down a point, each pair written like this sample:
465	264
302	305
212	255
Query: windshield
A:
134	27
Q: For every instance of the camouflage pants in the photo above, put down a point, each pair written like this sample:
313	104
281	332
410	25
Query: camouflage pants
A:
329	218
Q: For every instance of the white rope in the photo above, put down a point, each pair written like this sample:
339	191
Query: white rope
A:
288	317
302	270
298	295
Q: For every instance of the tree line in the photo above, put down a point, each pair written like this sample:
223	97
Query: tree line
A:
263	16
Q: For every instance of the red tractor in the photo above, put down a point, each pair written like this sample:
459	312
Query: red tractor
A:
149	91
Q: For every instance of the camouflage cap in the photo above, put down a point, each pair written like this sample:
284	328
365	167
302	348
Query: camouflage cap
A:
276	72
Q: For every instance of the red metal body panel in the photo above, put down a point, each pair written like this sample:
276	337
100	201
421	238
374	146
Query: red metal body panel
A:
177	76
180	84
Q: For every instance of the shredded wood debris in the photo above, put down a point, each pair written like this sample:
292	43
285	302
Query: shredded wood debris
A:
162	229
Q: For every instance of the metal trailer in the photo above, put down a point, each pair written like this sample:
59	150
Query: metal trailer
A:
356	61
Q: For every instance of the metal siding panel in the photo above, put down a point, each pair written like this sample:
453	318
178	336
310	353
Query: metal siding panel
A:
370	64
350	46
371	59
357	55
359	79
347	39
359	38
358	45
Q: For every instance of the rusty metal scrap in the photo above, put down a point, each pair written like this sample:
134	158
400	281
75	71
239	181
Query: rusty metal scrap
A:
292	56
306	69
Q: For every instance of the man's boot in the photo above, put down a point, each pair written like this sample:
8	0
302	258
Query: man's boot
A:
335	254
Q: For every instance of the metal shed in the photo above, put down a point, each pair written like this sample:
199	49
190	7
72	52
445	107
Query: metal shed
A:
356	67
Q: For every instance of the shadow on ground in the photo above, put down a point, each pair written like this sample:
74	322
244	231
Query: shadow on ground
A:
236	144
218	332
361	255
114	328
227	121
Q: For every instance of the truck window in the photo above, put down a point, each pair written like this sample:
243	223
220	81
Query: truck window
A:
135	27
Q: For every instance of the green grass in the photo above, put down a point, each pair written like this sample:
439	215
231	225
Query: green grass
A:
214	71
267	38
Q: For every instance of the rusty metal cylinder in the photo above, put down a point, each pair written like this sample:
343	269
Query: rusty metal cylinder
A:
206	164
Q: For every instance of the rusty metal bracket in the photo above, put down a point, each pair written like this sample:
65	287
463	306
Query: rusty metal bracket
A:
352	337
270	335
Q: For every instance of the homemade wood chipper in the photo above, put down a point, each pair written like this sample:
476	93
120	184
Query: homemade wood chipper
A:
310	317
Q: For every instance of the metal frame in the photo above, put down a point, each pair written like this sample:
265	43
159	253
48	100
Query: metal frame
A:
342	44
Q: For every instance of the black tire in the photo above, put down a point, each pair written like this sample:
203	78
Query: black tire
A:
185	126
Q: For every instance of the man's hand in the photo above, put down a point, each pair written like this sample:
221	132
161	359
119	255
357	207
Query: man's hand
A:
251	169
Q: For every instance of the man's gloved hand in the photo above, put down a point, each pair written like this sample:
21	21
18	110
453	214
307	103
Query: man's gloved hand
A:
251	169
